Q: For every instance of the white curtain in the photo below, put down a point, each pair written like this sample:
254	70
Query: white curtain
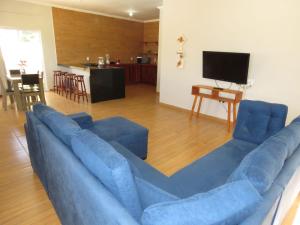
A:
2	71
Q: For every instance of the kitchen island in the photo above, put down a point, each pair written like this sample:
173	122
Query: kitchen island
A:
105	83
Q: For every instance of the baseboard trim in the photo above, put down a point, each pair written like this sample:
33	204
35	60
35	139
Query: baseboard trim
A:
189	111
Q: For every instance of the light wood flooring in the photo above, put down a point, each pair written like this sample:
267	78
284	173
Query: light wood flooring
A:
174	142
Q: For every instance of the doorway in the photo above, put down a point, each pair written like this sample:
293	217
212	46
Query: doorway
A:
22	50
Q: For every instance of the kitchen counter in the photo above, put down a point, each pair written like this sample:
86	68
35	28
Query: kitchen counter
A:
134	73
103	83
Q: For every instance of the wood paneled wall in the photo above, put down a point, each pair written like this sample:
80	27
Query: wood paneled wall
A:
79	35
151	31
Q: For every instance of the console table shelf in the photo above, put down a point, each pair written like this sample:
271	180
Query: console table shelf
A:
216	94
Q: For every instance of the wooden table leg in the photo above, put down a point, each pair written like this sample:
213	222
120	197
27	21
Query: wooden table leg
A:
234	114
42	91
199	106
229	116
193	107
9	87
17	95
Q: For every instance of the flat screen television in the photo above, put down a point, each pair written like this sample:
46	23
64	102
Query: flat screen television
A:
226	66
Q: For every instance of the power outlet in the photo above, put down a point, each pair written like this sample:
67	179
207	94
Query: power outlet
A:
249	84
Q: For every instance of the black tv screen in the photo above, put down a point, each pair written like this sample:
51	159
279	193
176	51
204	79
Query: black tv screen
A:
226	66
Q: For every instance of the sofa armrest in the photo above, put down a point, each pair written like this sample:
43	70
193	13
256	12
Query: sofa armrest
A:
83	119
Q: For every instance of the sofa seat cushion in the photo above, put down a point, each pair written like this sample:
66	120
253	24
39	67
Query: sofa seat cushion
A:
152	185
111	168
131	135
211	170
227	204
62	126
263	164
259	120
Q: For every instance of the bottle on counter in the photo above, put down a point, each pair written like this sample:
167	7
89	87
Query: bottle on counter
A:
100	61
107	59
154	60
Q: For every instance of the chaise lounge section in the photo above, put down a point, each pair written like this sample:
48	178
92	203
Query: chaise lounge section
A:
95	178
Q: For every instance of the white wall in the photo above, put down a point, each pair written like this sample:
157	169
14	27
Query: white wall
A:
268	29
159	53
26	16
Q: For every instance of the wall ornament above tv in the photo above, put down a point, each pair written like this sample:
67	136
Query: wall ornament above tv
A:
180	62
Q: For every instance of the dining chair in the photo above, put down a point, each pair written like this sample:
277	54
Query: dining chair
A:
15	72
30	90
6	93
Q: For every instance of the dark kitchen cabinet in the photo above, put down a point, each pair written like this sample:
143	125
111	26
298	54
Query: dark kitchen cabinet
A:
149	74
139	73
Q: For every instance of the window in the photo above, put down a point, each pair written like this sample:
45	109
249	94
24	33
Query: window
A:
22	49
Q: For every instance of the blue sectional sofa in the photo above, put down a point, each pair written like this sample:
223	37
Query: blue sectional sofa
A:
94	174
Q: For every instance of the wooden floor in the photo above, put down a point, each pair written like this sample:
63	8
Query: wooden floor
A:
174	142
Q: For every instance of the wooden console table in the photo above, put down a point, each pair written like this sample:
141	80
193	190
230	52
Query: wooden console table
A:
197	91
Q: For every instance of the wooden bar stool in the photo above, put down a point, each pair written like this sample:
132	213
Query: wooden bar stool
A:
61	83
56	74
80	89
69	84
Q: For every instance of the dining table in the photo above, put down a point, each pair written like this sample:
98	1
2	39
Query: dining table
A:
13	84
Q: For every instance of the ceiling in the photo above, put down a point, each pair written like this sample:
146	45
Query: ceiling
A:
143	9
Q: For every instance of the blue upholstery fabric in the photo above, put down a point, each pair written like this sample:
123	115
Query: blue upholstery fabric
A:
78	197
109	167
34	147
263	164
143	170
102	183
259	120
203	174
131	135
270	197
289	168
227	204
41	110
296	120
153	186
151	194
262	210
62	126
290	136
83	119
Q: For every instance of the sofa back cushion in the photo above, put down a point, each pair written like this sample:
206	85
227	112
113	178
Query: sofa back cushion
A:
227	204
151	194
62	126
111	168
262	165
290	136
259	120
41	110
296	120
153	186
